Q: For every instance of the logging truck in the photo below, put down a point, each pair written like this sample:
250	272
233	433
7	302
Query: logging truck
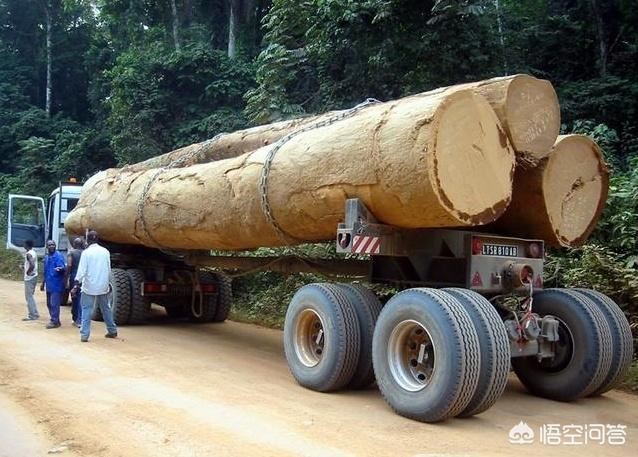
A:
449	196
473	305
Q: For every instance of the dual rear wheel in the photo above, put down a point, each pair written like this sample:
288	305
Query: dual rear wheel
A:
424	347
437	354
131	307
594	352
328	336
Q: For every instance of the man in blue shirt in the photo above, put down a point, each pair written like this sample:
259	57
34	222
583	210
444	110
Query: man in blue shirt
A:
54	268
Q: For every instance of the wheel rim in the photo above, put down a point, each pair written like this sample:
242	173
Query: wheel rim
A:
563	350
309	338
411	355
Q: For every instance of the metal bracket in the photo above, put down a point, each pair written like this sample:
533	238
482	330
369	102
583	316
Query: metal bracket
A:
361	233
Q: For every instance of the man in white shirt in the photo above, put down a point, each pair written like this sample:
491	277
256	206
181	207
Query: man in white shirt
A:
30	280
94	272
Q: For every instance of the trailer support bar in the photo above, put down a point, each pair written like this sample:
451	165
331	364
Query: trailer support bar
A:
284	264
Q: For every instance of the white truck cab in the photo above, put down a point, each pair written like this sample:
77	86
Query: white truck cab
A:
29	218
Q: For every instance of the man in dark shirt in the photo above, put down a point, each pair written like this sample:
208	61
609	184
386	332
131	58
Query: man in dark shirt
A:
54	268
72	262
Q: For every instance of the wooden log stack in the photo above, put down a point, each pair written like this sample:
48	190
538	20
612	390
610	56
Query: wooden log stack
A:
444	158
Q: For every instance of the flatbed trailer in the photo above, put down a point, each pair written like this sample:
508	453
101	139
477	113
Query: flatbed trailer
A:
472	306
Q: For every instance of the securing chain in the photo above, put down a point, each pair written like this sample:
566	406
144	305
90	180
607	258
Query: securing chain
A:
270	156
197	154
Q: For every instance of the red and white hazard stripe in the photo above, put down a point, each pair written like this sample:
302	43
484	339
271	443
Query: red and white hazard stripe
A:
366	244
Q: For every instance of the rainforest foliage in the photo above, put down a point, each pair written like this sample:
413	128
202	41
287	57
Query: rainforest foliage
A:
90	84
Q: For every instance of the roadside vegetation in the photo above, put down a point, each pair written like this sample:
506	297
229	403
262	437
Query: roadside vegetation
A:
121	81
10	264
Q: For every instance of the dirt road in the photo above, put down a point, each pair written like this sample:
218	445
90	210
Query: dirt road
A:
174	389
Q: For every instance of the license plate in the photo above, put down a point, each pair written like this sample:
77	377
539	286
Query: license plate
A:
500	250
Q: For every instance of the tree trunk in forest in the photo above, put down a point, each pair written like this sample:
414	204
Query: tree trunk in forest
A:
501	37
562	198
175	25
601	35
248	11
49	51
233	27
404	159
187	8
527	108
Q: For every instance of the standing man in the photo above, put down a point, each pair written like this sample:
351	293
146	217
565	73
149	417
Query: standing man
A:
30	280
72	263
54	268
94	272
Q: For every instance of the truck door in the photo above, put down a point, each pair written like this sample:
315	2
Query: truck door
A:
26	220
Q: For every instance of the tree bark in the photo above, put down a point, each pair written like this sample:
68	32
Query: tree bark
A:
175	25
561	199
404	159
225	146
233	27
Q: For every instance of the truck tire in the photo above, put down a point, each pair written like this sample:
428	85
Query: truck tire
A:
121	296
581	362
224	297
367	307
321	338
494	347
96	314
426	355
139	304
622	346
209	302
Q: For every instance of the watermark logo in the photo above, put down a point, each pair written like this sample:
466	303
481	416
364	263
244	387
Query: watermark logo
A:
570	434
521	433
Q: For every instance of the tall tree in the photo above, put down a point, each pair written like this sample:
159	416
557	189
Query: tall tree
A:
47	6
175	25
233	26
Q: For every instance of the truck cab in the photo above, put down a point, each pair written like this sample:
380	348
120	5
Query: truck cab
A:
30	217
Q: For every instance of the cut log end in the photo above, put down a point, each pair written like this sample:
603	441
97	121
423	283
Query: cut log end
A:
533	116
561	199
473	163
576	188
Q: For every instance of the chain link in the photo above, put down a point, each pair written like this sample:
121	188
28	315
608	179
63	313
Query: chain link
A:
265	171
197	154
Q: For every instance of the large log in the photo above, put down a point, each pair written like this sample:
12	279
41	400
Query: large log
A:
562	198
526	106
225	145
436	161
529	110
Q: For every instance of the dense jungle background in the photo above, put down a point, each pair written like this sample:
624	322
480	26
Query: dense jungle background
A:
90	84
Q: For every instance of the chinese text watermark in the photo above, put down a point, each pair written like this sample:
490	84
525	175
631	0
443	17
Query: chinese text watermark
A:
570	434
